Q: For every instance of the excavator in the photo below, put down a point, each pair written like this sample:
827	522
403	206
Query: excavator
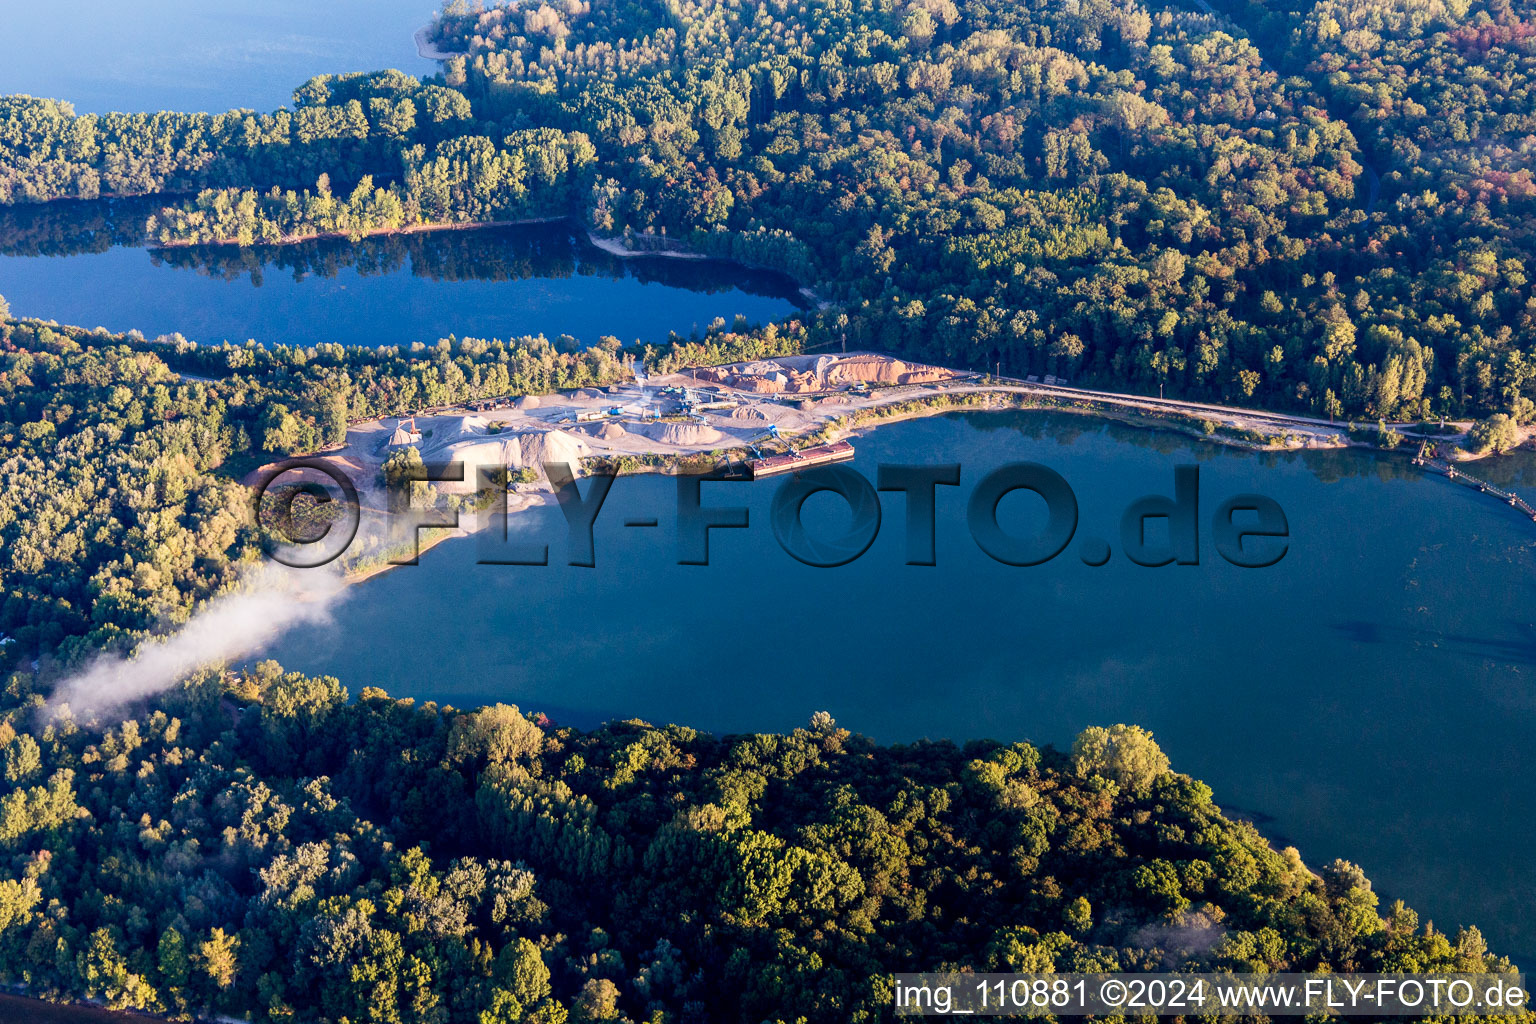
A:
771	434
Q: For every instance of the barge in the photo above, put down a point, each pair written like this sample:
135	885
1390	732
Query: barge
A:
805	458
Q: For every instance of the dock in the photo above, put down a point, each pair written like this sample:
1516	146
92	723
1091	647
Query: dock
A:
1428	458
805	458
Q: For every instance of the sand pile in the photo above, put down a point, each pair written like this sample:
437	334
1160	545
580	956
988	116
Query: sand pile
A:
714	375
534	448
748	412
472	426
768	377
875	369
880	370
681	433
475	456
446	439
799	382
612	432
762	385
527	402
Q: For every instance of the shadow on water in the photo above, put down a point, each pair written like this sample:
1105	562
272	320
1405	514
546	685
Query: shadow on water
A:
1066	430
71	227
85	263
1509	651
552	251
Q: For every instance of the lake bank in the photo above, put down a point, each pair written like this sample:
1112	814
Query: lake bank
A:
675	250
357	236
69	263
614	246
1316	738
618	445
429	50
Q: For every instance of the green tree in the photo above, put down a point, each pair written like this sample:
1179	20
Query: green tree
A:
218	957
175	968
598	1000
522	972
1125	754
1498	433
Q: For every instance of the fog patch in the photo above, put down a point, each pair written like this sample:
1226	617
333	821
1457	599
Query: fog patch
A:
266	602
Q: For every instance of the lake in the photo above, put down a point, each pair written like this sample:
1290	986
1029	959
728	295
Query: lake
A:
189	55
76	262
193	55
1369	697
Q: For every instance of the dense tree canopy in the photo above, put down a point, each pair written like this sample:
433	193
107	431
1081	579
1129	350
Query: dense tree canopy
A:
259	844
1321	207
119	506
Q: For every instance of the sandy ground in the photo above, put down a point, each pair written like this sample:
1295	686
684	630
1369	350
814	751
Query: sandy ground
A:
583	415
615	247
575	425
428	49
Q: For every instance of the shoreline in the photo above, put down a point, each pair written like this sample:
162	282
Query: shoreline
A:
611	245
614	247
918	407
428	50
1251	430
470	523
315	236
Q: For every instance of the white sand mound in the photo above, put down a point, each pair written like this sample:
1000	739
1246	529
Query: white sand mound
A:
534	448
681	433
531	449
612	432
487	455
761	368
473	426
748	412
527	402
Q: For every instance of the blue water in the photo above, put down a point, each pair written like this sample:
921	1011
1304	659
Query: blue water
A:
63	262
1369	697
191	55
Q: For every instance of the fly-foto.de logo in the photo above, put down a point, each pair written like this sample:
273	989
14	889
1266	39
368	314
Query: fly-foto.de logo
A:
1247	530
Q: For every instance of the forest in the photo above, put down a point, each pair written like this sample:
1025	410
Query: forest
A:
1321	207
119	477
261	843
